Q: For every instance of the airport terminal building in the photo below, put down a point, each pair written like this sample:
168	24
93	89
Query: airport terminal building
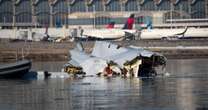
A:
97	13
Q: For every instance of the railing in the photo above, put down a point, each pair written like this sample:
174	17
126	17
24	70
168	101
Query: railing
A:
205	20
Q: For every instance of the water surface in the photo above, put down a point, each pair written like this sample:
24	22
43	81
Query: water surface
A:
185	89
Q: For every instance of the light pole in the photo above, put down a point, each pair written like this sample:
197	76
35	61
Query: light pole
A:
94	14
138	7
4	20
69	12
34	16
171	14
51	12
14	13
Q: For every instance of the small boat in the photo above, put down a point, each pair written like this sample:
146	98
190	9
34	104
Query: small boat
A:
16	69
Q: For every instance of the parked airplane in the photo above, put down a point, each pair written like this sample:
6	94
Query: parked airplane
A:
110	33
129	60
38	36
179	33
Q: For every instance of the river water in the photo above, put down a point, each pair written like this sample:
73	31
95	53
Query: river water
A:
185	89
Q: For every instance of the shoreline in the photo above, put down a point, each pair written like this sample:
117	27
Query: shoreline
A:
48	51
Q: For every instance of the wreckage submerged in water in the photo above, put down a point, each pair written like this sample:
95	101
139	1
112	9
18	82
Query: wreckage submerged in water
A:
127	61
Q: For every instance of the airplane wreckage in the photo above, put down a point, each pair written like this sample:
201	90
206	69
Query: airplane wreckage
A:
108	59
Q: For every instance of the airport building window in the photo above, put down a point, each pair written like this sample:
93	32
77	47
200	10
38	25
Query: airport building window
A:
131	5
59	19
42	6
6	17
90	8
60	11
182	6
164	5
60	6
197	10
6	11
148	5
102	20
24	18
43	19
23	12
113	5
78	6
97	4
42	11
80	21
119	20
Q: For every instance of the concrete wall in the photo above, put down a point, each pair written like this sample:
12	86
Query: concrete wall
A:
17	33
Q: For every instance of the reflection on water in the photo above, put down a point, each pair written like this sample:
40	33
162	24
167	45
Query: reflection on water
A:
185	89
54	66
188	68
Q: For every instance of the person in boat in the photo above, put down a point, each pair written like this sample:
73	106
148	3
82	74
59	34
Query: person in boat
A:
130	22
108	71
46	74
111	25
124	72
131	72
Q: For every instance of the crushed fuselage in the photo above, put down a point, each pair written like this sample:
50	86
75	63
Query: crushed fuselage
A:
109	59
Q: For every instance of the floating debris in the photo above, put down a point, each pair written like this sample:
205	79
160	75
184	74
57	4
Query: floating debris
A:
109	59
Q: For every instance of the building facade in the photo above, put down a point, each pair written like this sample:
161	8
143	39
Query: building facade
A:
56	13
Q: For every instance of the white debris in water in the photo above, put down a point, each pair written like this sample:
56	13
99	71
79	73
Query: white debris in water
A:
53	75
166	74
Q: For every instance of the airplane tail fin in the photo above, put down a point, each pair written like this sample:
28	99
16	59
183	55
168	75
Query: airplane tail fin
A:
149	27
149	24
182	33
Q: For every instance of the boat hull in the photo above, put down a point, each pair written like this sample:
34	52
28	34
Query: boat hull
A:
15	70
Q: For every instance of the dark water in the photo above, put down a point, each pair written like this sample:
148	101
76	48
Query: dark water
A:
185	89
